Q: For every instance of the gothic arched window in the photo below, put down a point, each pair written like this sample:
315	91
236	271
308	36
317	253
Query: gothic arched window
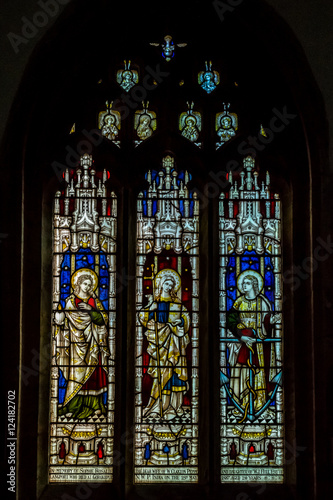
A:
206	122
84	328
163	279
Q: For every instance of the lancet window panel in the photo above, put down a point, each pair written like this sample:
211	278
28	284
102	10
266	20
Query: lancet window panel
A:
84	328
251	334
167	329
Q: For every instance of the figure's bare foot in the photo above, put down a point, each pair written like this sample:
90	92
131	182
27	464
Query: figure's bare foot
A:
169	414
180	411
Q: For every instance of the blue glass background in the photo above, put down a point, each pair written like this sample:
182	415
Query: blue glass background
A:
248	261
84	258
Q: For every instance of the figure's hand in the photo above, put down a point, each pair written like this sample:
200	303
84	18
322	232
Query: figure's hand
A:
276	318
248	340
84	306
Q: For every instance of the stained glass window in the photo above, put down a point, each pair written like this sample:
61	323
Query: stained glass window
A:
208	79
251	351
84	328
226	125
127	77
166	389
168	47
144	123
109	123
167	329
190	124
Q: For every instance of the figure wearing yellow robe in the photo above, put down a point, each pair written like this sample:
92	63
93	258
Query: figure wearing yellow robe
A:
83	351
167	323
251	319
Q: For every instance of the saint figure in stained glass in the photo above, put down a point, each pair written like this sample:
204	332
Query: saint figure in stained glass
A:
251	321
109	123
84	362
209	79
144	129
225	131
127	77
190	124
167	324
226	126
144	123
168	47
109	130
190	131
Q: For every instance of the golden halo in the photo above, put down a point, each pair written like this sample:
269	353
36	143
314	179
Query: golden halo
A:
249	272
168	273
82	271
